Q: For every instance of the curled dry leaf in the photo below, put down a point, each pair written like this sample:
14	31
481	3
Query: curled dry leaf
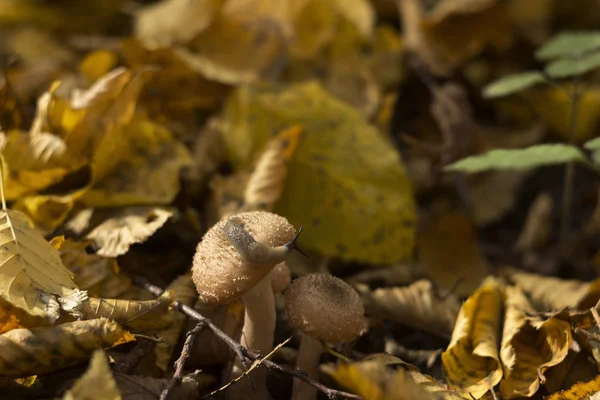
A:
25	352
417	305
529	346
548	293
373	380
97	383
267	181
136	315
471	362
131	225
33	275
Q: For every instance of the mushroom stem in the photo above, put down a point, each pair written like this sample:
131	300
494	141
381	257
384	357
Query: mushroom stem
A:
308	361
257	335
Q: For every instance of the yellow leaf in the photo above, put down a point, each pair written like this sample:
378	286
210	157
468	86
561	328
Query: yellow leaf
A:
11	115
529	346
267	180
417	305
471	362
131	225
97	383
579	391
33	275
52	348
449	254
314	27
97	64
359	12
372	380
12	317
342	170
150	173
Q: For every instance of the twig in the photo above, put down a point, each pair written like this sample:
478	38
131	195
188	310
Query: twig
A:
180	363
242	352
254	365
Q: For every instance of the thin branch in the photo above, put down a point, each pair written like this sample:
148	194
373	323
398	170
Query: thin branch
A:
180	363
242	352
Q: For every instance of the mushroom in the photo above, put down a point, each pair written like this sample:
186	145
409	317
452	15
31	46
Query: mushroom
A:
234	260
282	277
324	308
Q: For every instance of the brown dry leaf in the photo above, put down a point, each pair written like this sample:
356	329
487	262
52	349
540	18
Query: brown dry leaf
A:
131	225
548	293
373	380
11	115
529	346
579	391
267	180
418	306
99	276
33	275
183	290
538	225
97	383
471	362
12	317
150	173
47	212
25	352
135	315
449	254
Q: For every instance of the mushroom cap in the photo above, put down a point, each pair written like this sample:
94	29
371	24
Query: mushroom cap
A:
282	277
220	274
325	307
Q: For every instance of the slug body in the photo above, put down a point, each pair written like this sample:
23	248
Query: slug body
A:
251	251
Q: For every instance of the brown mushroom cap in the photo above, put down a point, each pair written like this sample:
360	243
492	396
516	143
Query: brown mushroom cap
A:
282	277
325	307
219	272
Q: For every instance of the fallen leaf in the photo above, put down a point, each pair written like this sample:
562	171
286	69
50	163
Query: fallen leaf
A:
529	346
471	362
97	64
34	277
131	225
134	387
417	305
97	383
341	162
449	254
12	317
581	390
51	348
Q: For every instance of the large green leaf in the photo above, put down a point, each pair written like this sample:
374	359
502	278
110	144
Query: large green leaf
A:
520	159
513	83
569	44
345	184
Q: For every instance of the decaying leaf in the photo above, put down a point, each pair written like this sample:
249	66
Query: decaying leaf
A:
34	277
341	167
449	254
579	391
373	380
471	362
25	352
97	383
417	305
267	180
529	346
12	317
550	293
131	225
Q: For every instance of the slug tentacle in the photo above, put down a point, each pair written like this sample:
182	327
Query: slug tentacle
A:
252	251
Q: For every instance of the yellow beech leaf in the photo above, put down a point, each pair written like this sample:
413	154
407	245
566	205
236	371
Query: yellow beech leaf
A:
51	348
97	64
97	383
418	306
449	254
150	173
33	275
471	362
267	180
549	293
373	380
131	225
135	315
99	276
579	391
342	171
184	291
529	346
12	317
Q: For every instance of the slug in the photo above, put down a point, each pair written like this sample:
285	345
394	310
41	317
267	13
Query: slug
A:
253	252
